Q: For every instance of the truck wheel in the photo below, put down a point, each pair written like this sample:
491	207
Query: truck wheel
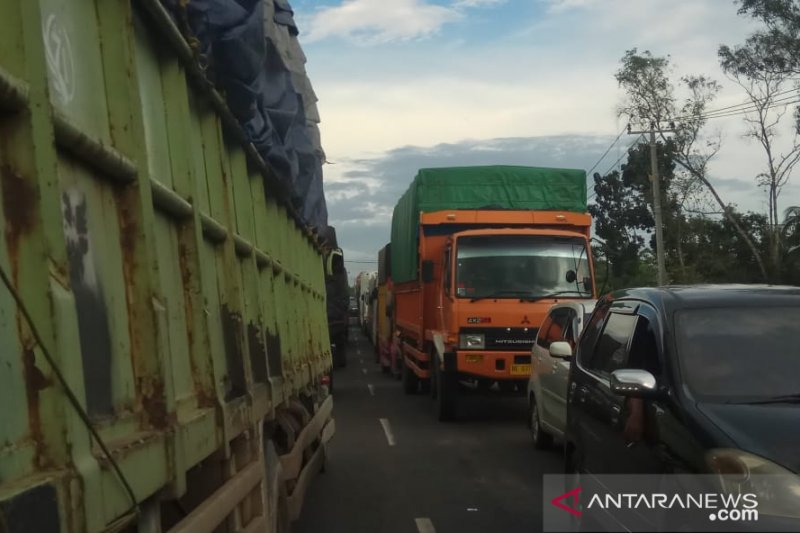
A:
341	358
410	380
341	352
425	385
446	395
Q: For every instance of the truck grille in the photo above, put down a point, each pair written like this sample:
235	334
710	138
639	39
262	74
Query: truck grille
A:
506	339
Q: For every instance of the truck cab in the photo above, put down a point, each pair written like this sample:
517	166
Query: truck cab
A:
496	288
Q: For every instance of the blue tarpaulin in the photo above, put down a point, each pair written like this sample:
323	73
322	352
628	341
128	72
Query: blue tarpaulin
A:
246	66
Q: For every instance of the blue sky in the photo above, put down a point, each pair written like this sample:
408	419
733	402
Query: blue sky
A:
404	84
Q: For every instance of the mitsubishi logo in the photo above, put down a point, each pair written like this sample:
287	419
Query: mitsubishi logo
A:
525	320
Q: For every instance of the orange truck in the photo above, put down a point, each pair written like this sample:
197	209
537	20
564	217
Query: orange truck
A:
479	255
387	346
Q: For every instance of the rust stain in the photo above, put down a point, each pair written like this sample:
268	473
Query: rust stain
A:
35	381
128	229
184	258
274	354
258	352
205	397
231	333
19	203
128	236
154	403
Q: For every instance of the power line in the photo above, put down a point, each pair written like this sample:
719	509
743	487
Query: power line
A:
625	153
744	107
609	149
754	108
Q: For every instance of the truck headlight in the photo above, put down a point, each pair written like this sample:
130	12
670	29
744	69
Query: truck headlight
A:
472	341
776	488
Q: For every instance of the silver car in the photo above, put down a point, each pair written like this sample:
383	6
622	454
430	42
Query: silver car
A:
550	359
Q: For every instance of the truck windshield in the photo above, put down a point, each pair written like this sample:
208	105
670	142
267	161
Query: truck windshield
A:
521	266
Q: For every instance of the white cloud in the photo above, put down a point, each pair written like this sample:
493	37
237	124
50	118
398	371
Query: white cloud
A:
477	3
379	21
550	76
382	21
557	6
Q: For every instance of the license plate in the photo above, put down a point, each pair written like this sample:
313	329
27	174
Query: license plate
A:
520	370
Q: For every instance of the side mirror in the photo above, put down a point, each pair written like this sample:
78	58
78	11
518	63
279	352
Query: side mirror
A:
427	271
561	349
633	382
587	284
335	259
571	276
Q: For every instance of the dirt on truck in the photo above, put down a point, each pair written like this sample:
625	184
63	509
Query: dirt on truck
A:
479	254
163	330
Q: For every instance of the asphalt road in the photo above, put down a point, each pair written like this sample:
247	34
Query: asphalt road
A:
393	468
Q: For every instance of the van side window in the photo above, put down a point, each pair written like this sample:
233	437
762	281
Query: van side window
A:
541	338
592	332
611	352
644	348
559	324
569	334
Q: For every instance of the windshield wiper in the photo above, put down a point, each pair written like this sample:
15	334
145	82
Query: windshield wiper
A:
497	294
584	294
783	398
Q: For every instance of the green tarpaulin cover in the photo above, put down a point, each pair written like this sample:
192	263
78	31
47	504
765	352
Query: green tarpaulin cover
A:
490	187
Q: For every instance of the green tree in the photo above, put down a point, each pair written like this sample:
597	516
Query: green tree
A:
651	101
699	248
790	238
623	217
759	67
779	39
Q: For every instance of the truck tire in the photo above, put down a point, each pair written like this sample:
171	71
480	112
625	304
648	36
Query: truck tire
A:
340	358
446	387
410	380
425	386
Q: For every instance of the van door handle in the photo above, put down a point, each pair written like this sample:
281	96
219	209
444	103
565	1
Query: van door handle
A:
615	412
580	393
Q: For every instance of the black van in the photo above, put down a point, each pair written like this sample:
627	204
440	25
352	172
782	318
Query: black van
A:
702	379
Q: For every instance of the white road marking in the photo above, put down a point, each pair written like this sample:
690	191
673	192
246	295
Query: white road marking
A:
371	389
387	429
364	370
424	525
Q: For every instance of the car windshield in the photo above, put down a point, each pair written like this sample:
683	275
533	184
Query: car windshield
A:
740	354
514	266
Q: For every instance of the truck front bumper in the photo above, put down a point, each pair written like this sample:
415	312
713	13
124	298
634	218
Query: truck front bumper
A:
490	364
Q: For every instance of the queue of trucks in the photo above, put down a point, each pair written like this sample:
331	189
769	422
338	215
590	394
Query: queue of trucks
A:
477	257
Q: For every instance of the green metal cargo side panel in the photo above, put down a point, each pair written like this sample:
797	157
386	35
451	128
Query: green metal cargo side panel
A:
175	291
486	187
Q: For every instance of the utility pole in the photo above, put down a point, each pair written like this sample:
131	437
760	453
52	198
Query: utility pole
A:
656	181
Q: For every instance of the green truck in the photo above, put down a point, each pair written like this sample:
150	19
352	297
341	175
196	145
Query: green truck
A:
164	345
